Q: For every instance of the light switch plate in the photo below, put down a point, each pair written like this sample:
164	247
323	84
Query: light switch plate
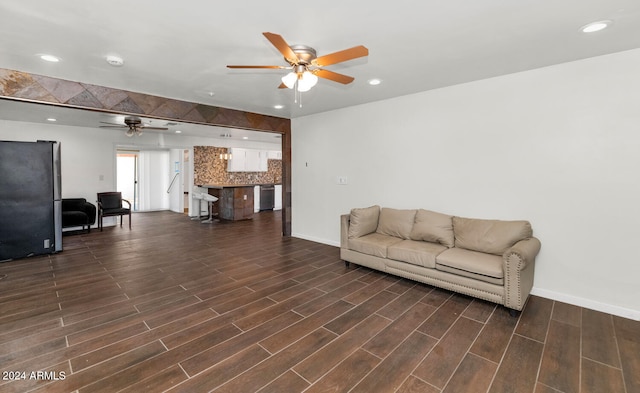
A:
342	180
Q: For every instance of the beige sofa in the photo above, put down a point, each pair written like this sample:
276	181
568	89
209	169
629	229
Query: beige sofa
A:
487	259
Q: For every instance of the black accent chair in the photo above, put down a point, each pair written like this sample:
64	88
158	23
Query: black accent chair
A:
111	204
77	212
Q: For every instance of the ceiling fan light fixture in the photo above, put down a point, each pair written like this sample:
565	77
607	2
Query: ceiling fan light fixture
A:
290	79
306	81
129	133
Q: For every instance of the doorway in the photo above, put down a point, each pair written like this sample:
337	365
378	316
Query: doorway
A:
127	165
186	180
143	177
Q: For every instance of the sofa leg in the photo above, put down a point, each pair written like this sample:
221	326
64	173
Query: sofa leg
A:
347	264
514	313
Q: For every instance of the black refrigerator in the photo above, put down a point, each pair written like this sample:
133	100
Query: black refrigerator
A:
30	203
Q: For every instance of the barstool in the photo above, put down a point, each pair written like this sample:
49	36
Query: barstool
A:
210	200
196	193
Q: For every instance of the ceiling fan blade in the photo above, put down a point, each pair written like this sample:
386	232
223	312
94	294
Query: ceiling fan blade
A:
282	46
334	76
282	86
339	57
113	126
152	128
256	66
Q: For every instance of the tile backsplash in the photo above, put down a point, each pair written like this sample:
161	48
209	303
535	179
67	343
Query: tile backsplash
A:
210	169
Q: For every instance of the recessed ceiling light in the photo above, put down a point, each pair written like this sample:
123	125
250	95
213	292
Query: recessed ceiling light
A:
374	82
278	106
115	60
50	58
178	132
51	119
245	137
595	26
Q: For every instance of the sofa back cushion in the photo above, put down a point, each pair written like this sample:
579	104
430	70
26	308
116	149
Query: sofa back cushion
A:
433	227
489	236
396	222
363	221
73	204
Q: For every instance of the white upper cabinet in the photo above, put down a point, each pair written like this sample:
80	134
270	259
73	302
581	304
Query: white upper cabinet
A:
263	161
275	155
237	161
247	160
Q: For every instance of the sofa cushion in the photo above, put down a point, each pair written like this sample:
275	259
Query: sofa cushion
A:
434	227
375	244
74	219
73	204
473	264
489	236
363	221
396	222
416	252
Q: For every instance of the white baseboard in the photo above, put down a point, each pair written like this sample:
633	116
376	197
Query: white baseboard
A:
587	303
317	240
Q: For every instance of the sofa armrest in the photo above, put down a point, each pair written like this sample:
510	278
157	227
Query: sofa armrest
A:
518	263
344	230
524	252
90	210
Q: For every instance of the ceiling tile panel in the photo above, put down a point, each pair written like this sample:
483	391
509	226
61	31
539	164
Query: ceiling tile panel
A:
85	99
62	90
108	97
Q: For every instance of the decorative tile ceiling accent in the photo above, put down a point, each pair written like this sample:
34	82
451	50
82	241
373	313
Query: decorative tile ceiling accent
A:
37	88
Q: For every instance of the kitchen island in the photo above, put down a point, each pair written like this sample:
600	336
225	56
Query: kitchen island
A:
235	201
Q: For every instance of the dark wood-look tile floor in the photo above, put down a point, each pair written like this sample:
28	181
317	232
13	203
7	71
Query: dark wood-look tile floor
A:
178	306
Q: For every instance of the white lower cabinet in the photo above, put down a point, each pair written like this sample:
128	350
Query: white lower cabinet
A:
277	203
256	199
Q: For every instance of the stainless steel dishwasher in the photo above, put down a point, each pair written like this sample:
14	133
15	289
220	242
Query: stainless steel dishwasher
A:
267	196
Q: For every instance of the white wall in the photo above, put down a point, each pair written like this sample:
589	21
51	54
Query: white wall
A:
558	146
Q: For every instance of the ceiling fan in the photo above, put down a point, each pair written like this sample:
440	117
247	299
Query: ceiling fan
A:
306	66
134	125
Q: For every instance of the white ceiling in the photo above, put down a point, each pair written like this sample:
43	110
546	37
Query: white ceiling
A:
180	49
